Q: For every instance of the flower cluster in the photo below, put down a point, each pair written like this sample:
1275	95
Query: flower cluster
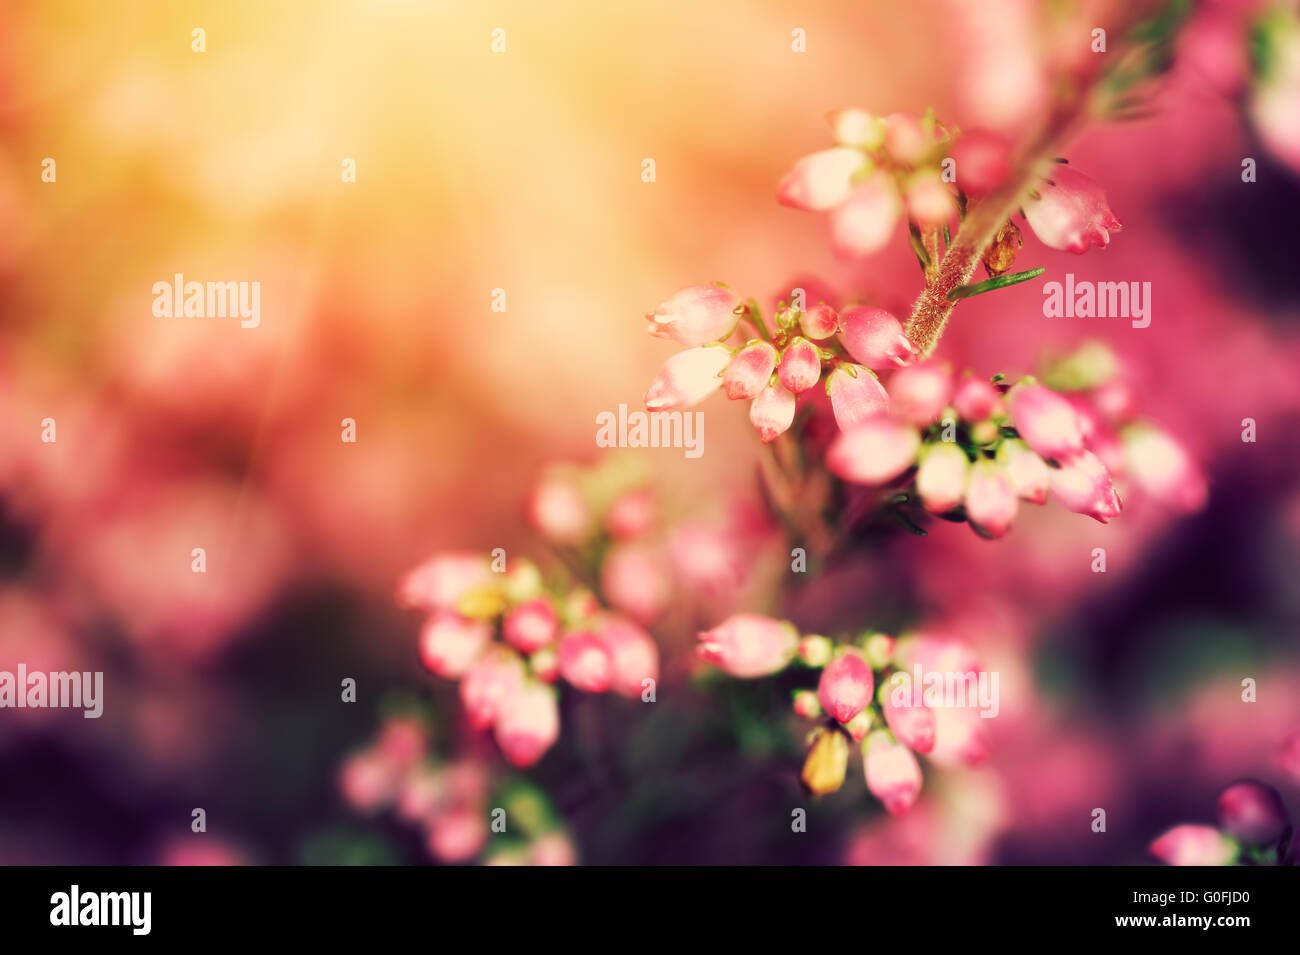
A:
866	694
508	637
451	802
1253	830
883	168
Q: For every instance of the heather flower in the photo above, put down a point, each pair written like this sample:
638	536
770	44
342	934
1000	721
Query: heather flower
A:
528	725
975	399
875	338
559	512
941	477
449	644
913	725
1194	845
982	162
820	180
857	127
845	686
874	452
1161	467
748	372
633	655
856	395
1083	485
585	662
687	378
807	705
827	763
749	645
1046	421
634	579
892	772
1029	474
772	412
531	625
930	204
864	222
490	683
632	513
801	366
819	322
1253	813
919	393
439	582
1071	213
696	315
991	502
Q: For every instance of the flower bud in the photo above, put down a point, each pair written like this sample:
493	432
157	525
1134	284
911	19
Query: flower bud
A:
772	412
991	502
749	645
545	664
585	662
1071	213
1083	485
976	400
815	650
801	366
806	705
959	737
632	513
892	772
845	686
820	180
860	725
819	322
552	849
439	582
528	725
864	223
495	678
873	453
449	644
1162	468
635	579
696	315
941	476
875	338
878	650
981	161
905	138
1028	473
919	393
522	582
1046	421
687	378
913	725
1194	845
857	127
827	762
856	395
531	625
1253	813
930	204
559	512
748	372
633	654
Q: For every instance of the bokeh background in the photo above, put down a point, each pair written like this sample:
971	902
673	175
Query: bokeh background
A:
521	171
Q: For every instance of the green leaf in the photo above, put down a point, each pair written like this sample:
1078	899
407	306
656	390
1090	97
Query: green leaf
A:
1001	281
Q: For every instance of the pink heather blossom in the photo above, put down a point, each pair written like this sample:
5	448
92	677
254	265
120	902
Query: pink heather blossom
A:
801	366
982	162
976	399
559	512
807	705
864	223
531	625
930	203
991	502
856	395
585	662
1028	473
1071	215
860	725
421	791
748	373
820	180
857	127
959	737
633	654
494	679
913	725
905	138
707	561
1194	845
815	650
401	742
874	452
528	725
696	315
687	378
919	393
1047	421
449	644
439	582
457	835
941	477
632	513
892	772
875	338
749	645
1162	468
772	412
635	579
367	781
1083	485
845	686
545	665
1253	813
819	322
